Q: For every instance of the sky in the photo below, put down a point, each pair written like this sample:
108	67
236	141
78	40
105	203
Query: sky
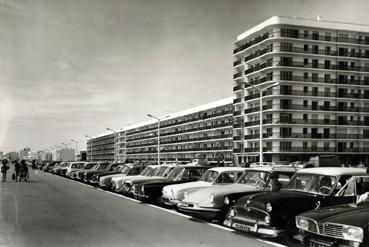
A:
71	68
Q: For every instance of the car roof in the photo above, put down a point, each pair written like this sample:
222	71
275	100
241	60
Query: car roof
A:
223	169
277	168
333	171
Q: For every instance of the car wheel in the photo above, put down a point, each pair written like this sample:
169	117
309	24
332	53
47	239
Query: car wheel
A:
291	231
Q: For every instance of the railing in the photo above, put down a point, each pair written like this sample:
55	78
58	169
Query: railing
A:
322	52
308	122
308	107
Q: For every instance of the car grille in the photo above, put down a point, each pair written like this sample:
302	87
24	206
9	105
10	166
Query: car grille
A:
327	229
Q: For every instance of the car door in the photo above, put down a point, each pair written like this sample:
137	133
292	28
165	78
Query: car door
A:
349	193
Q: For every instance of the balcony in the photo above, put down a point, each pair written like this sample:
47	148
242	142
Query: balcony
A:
237	75
238	100
236	88
322	52
253	42
236	63
323	66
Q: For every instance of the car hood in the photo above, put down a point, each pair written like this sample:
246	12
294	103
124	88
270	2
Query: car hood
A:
349	214
184	186
146	179
218	191
112	176
281	200
125	178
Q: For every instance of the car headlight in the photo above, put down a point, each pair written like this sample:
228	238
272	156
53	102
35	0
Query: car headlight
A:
186	194
353	233
302	223
172	193
143	189
268	207
226	200
232	212
267	219
211	198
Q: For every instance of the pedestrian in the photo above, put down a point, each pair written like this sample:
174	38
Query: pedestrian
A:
4	168
275	184
16	170
23	171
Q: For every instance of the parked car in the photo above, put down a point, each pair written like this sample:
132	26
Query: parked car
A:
273	213
98	166
87	166
344	225
61	169
105	182
214	201
103	167
74	166
172	194
96	177
48	167
151	191
130	184
117	182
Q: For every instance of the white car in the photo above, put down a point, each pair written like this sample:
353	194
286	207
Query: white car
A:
172	194
73	166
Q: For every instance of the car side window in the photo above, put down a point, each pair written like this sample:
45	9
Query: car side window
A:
195	174
226	177
283	179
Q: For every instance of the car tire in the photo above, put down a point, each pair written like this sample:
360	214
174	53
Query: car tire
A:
291	230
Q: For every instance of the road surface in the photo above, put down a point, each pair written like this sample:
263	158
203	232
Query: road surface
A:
55	211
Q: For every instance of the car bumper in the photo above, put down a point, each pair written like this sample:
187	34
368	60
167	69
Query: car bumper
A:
169	202
254	228
199	212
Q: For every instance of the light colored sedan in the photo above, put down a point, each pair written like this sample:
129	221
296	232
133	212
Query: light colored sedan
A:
214	201
172	194
73	166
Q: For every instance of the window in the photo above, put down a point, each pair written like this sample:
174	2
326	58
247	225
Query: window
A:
304	145
315	35
286	47
328	50
328	37
304	131
314	77
306	34
305	117
327	64
327	91
305	103
306	76
285	146
306	61
306	47
269	132
286	75
366	133
306	89
315	63
286	118
286	132
326	146
315	49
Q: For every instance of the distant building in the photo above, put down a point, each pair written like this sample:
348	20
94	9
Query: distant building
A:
44	156
12	155
24	153
203	132
82	155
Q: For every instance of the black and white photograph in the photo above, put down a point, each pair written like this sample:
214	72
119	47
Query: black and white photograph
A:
189	123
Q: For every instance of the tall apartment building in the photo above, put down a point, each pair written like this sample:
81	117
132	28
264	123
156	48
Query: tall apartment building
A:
321	102
24	153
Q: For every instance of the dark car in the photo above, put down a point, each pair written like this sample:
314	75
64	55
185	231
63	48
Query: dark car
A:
61	169
105	167
50	166
344	225
105	182
151	191
87	166
273	213
116	170
99	166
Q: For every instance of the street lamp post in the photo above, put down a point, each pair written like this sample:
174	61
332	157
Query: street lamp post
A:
158	119
76	142
261	91
90	146
115	136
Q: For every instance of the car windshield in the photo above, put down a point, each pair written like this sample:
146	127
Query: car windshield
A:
160	172
177	171
147	171
89	165
209	176
312	183
254	178
103	166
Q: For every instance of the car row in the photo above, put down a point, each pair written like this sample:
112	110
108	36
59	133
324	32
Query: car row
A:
304	206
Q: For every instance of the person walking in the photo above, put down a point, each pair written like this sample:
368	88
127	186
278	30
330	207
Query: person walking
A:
23	171
16	170
4	169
